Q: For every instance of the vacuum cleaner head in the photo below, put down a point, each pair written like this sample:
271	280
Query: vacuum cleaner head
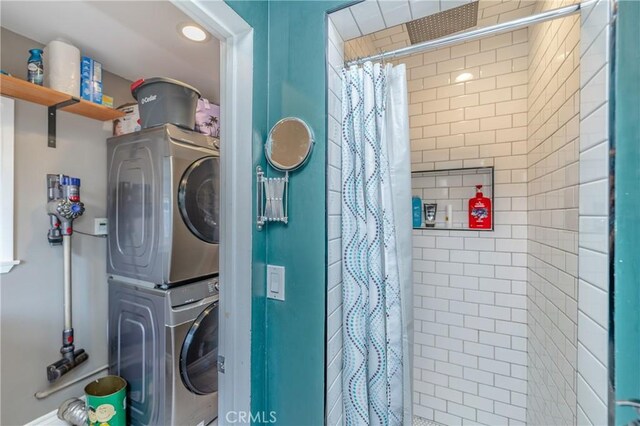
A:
69	361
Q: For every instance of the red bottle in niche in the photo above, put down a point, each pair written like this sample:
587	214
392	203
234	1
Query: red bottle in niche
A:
480	210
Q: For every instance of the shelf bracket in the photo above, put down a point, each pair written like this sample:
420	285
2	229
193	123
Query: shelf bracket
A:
52	115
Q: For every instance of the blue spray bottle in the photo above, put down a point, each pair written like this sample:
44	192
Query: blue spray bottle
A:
35	69
417	211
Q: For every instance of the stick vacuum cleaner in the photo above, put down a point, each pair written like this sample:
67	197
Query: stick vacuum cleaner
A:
63	207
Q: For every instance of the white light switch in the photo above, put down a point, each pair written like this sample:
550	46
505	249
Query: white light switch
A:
275	282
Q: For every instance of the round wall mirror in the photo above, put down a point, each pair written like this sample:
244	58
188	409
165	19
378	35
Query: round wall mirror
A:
289	144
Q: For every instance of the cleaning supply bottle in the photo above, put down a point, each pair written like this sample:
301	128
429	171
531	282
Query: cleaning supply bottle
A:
417	212
35	69
480	210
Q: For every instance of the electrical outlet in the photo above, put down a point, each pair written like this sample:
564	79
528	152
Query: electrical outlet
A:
100	226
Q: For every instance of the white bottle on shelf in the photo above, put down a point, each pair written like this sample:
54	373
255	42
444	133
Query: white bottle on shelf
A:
448	218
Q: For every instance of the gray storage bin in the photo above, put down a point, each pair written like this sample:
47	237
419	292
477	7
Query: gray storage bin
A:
165	101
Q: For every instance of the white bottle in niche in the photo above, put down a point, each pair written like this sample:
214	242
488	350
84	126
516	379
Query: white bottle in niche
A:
448	217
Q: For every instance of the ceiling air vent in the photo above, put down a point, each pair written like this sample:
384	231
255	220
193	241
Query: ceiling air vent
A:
443	23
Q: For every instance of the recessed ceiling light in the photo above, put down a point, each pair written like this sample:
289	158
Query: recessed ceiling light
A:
193	32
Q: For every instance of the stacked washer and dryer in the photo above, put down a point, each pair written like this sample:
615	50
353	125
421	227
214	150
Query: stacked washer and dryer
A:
163	257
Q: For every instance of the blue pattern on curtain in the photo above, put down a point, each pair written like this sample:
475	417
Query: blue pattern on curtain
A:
372	312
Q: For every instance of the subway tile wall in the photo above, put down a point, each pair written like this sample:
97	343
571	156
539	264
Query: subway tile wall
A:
468	108
364	46
335	55
465	369
491	12
593	244
553	178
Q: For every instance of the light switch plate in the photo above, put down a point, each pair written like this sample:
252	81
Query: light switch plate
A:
275	282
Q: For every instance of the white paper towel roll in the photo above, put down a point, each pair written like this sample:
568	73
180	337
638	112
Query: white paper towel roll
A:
62	67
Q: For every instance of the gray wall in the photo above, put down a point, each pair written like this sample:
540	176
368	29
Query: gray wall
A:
31	294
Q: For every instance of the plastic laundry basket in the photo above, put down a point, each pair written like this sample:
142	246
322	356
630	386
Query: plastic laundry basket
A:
164	100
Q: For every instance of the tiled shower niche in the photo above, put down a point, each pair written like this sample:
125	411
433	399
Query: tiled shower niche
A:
452	187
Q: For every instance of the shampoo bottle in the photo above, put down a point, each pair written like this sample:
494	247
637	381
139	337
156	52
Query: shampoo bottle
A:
417	211
479	210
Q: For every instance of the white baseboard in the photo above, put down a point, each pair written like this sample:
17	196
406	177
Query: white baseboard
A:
49	419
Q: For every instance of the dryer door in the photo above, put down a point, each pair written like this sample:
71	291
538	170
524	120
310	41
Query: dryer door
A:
199	199
199	354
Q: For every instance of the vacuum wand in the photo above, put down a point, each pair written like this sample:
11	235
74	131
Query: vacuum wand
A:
66	246
63	193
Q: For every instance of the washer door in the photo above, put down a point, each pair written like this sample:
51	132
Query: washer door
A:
199	354
199	199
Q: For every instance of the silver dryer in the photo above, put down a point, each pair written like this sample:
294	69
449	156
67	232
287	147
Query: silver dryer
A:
163	205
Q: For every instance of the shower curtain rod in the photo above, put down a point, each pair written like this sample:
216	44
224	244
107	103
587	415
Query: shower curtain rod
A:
472	35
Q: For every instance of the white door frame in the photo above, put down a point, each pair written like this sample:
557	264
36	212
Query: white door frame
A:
236	93
7	139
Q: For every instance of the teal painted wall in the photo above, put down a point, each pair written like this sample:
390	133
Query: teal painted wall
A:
627	205
296	328
288	338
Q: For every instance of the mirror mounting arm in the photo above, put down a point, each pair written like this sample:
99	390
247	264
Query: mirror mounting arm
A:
272	199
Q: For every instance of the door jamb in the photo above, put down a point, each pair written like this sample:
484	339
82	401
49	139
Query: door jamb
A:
236	90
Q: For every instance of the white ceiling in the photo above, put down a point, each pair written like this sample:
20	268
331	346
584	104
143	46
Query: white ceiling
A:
370	16
133	39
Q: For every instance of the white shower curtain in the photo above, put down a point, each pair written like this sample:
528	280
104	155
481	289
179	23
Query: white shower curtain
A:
376	246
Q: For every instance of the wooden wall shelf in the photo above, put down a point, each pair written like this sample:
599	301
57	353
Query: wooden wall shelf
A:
21	89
